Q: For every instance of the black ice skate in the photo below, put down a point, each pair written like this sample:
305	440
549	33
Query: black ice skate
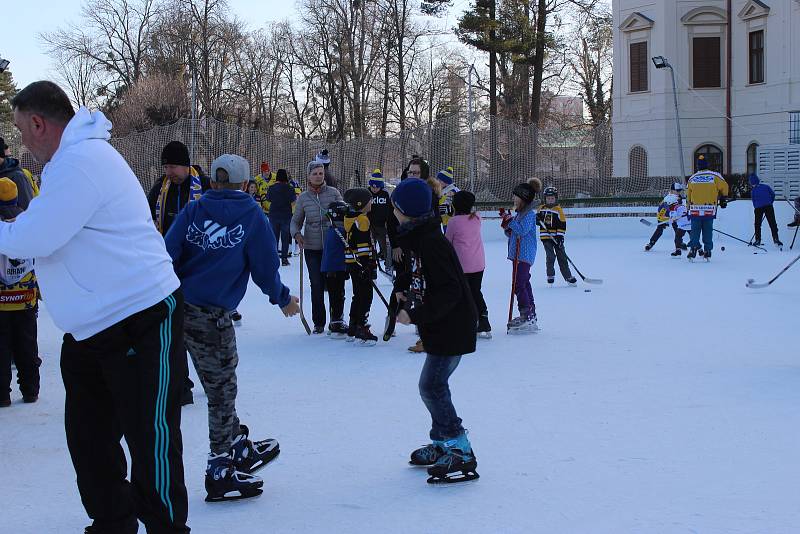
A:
337	329
364	337
427	455
236	317
677	253
250	456
648	246
707	255
484	327
457	464
692	254
225	483
573	282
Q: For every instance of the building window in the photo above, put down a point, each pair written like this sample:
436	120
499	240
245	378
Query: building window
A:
639	62
752	152
637	162
713	157
706	62
794	127
757	56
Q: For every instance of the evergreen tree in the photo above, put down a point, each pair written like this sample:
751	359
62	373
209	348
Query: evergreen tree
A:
8	89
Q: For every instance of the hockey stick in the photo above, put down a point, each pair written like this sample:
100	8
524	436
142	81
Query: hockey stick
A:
753	285
792	205
302	315
513	288
796	228
355	259
742	240
595	281
760	222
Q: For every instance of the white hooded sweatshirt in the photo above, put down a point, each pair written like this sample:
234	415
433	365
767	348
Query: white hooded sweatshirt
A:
99	258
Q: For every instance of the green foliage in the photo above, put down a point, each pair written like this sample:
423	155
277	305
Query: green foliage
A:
8	89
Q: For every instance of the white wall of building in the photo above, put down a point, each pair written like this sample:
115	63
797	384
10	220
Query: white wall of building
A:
760	112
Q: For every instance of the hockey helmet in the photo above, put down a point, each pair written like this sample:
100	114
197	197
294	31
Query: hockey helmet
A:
337	210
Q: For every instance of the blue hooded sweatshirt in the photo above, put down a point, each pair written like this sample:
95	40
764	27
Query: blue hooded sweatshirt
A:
217	243
762	194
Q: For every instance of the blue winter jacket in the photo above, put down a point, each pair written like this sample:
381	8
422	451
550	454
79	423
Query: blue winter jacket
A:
281	196
217	243
333	252
523	227
762	194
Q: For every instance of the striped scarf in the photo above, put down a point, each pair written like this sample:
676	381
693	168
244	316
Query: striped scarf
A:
195	194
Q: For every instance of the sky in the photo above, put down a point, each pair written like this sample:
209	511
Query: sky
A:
20	44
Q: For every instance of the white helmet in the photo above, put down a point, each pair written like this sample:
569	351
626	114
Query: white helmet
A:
672	198
678	186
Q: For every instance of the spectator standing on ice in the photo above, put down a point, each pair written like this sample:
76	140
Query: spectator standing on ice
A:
308	227
763	198
707	190
281	197
10	168
109	284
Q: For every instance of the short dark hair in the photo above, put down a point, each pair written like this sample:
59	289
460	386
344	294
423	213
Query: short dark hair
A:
46	99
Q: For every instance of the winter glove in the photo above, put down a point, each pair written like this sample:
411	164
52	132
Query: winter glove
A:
505	218
723	202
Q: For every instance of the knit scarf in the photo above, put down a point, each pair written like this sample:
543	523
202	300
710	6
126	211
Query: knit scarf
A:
195	194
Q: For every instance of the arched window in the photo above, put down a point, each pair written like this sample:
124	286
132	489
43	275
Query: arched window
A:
713	156
637	162
752	164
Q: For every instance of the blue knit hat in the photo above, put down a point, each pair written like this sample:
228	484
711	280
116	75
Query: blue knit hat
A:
702	163
412	197
376	179
445	176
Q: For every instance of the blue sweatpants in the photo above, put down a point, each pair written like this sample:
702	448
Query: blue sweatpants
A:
704	225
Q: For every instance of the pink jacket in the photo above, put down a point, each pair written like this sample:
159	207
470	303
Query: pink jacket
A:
465	235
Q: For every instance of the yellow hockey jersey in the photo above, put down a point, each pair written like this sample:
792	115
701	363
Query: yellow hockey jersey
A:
552	222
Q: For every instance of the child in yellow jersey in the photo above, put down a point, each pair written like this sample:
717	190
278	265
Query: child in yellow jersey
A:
18	313
553	225
361	262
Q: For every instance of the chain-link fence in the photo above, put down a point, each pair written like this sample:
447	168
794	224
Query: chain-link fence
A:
488	158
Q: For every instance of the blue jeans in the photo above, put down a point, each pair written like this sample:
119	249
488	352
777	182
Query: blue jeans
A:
704	225
435	393
280	227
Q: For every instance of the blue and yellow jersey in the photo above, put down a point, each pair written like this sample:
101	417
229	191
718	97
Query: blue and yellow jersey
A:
263	183
703	192
552	222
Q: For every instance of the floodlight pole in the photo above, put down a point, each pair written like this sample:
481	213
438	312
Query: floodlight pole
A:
661	62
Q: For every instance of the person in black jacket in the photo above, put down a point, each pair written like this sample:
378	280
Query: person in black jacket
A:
437	299
379	215
281	197
180	184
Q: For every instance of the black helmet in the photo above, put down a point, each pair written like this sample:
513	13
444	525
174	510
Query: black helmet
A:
550	191
358	197
337	210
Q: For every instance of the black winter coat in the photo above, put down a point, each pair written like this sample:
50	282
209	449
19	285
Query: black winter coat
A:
177	198
381	210
441	300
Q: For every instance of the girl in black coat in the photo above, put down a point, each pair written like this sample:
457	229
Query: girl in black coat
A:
438	301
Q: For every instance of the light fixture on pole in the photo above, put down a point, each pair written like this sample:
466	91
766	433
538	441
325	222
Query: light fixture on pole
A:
662	63
4	63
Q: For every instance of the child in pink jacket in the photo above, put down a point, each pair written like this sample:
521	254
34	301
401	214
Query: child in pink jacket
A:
464	232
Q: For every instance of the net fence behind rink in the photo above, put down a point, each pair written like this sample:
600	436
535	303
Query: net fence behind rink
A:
488	159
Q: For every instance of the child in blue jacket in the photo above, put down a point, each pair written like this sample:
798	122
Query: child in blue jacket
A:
334	268
521	232
217	243
763	199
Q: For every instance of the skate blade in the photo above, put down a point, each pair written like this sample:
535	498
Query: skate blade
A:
367	342
272	455
337	336
454	478
237	323
484	335
522	331
235	495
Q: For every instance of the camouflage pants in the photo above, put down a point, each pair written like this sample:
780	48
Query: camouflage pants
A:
211	341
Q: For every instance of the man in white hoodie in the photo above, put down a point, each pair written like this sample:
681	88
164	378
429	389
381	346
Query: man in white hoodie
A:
108	282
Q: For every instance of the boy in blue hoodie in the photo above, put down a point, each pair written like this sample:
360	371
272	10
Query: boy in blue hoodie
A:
217	244
763	199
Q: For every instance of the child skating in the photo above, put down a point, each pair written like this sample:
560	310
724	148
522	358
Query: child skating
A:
361	263
464	232
438	301
217	244
664	218
553	224
521	232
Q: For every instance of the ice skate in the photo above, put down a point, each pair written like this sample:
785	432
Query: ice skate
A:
225	483
692	254
551	280
285	262
457	464
648	246
524	324
573	282
236	317
427	455
337	329
318	330
250	456
484	327
677	253
364	337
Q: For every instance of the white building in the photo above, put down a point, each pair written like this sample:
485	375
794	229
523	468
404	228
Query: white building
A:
760	40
